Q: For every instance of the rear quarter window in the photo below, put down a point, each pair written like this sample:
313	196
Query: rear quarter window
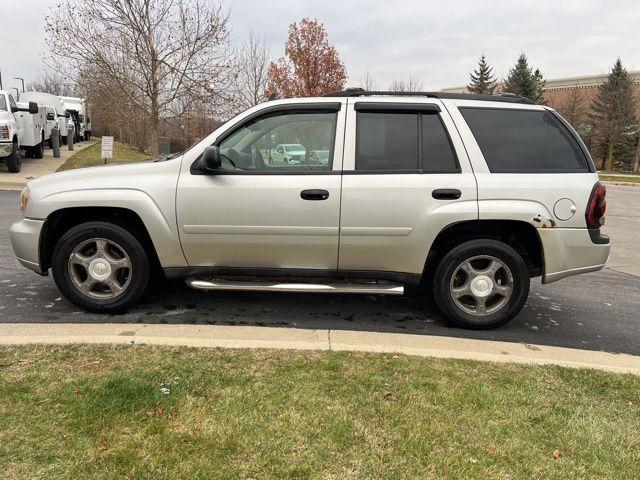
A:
524	141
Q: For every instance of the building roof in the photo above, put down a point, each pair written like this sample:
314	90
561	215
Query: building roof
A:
566	82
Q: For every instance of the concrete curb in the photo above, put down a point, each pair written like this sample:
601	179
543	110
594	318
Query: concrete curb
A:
211	336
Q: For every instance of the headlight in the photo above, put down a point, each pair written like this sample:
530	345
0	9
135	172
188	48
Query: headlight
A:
4	132
24	199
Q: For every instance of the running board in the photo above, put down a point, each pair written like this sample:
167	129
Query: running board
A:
372	288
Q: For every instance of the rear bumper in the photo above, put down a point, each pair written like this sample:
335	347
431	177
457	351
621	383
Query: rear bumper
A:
6	149
25	240
570	251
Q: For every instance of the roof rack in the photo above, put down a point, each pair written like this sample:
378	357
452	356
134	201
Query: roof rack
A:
361	92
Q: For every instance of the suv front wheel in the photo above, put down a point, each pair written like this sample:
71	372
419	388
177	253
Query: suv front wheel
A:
100	267
481	284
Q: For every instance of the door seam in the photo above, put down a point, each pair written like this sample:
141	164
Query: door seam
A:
344	141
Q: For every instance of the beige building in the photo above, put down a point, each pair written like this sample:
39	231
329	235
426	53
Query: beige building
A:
560	93
558	90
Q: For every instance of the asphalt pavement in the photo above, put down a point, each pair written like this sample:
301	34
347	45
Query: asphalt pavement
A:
596	311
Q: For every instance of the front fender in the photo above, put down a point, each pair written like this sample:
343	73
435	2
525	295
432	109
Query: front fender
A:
160	224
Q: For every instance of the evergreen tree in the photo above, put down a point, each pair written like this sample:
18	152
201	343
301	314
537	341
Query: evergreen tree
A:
483	81
613	114
540	83
521	80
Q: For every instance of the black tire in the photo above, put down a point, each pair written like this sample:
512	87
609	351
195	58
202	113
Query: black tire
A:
38	150
442	282
127	241
13	161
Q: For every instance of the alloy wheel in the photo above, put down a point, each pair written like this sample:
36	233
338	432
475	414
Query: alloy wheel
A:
481	285
100	268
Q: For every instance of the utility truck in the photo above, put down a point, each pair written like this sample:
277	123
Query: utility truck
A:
63	119
77	107
21	127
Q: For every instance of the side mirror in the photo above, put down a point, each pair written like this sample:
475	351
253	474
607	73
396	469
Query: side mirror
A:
210	160
14	109
33	107
67	115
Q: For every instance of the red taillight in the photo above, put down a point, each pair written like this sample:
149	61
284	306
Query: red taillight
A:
597	206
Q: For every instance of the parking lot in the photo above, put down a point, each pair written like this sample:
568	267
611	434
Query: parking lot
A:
597	311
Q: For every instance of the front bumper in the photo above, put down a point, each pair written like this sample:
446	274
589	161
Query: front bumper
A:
25	240
570	251
6	149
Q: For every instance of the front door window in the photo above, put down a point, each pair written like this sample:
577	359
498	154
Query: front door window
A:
281	143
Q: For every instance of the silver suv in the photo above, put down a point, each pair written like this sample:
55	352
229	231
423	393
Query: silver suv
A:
466	197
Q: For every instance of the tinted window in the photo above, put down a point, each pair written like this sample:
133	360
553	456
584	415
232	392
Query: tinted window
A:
387	141
437	152
283	142
524	141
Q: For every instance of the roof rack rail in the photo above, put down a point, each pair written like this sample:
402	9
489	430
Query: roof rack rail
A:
360	92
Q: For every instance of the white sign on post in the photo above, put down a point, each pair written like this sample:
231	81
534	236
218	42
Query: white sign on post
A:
107	148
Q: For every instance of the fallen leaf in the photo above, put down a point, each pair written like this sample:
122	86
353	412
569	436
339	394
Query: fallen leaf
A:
556	454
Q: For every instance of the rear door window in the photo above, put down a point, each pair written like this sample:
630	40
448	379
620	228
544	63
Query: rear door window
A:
524	141
437	152
403	142
387	141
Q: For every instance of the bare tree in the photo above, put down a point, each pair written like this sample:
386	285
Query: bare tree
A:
412	84
575	108
54	82
161	54
368	82
253	61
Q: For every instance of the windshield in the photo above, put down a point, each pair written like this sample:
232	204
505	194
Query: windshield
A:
3	103
294	148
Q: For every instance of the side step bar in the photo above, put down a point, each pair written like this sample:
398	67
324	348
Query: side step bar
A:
372	288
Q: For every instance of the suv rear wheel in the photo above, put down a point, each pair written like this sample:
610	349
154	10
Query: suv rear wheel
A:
100	267
481	284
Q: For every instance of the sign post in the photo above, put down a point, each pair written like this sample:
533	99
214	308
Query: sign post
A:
107	148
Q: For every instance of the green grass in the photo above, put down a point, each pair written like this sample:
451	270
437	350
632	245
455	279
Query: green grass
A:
98	412
619	177
90	157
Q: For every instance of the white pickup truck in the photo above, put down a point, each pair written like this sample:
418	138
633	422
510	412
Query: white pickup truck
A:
22	126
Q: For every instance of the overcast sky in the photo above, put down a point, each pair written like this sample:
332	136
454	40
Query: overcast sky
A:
436	41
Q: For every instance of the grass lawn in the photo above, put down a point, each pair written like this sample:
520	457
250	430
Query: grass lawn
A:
90	157
76	412
619	177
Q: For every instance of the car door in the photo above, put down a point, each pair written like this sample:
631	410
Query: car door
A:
254	214
18	124
406	177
